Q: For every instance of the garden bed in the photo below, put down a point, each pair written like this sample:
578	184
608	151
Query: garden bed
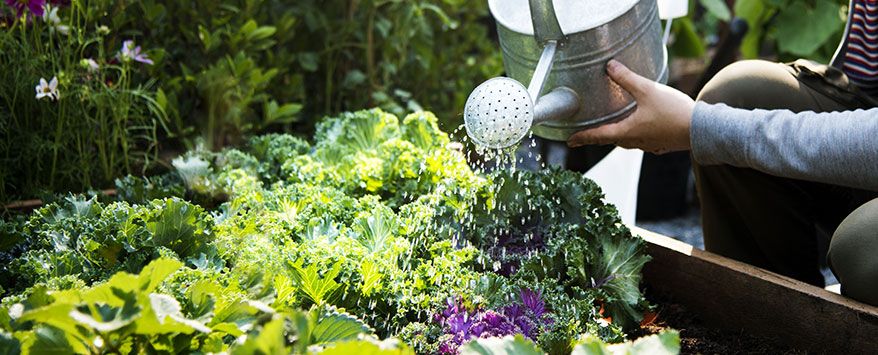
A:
742	299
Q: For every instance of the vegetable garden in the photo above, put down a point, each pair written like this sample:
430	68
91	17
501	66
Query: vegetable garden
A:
377	228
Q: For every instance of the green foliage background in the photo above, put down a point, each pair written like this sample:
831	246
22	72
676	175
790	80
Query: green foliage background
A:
784	30
224	70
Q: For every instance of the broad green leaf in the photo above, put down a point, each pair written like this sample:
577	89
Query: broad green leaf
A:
48	340
718	8
507	345
368	346
6	319
168	318
686	43
269	341
753	11
201	300
153	274
615	269
177	226
801	29
214	344
377	230
314	287
286	291
236	312
336	327
371	277
664	343
105	318
228	328
56	315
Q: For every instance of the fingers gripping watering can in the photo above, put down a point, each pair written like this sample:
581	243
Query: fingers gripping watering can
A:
562	47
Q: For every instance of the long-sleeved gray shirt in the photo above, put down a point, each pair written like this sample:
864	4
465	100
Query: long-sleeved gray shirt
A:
839	148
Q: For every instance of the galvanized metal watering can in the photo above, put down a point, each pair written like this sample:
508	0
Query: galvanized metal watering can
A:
561	47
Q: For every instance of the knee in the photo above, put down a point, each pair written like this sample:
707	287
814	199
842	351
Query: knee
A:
739	83
852	254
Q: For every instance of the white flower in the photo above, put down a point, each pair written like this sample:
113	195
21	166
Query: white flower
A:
89	63
50	16
48	89
131	52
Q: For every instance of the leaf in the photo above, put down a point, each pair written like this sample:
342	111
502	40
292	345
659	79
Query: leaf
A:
228	328
312	285
717	8
335	327
154	273
377	230
237	312
260	33
510	345
177	226
613	268
371	277
286	291
201	300
687	43
48	340
194	172
801	30
269	341
166	307
754	12
8	344
665	343
106	318
122	286
368	346
309	61
321	228
11	234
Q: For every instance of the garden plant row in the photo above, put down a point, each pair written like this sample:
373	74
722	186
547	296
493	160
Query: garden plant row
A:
377	230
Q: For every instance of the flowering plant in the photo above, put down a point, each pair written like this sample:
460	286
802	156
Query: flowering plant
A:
104	119
527	317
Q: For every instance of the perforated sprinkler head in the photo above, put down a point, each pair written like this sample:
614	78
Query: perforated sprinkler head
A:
498	113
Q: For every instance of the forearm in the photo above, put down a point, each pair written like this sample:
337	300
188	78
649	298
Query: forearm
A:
838	148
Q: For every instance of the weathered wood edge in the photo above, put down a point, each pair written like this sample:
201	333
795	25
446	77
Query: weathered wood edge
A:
33	204
736	296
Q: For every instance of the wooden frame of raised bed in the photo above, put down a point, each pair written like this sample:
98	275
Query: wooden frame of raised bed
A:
735	296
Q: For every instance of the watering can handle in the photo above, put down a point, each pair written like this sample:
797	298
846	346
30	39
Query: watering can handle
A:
546	26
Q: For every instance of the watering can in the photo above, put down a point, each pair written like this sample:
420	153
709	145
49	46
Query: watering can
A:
561	48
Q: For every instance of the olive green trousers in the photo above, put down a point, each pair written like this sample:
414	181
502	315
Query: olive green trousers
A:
774	222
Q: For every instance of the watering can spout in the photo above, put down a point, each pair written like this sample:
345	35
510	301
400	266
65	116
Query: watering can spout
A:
559	104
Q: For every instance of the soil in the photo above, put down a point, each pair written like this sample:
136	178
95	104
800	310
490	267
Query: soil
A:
696	337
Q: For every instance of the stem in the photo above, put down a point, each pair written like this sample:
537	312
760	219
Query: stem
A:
330	66
58	128
370	51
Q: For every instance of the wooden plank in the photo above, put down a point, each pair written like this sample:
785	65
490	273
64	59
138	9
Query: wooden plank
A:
34	204
736	296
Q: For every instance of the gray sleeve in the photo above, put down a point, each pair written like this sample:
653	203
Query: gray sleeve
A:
838	148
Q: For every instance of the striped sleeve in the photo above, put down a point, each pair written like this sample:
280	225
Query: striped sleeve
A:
861	56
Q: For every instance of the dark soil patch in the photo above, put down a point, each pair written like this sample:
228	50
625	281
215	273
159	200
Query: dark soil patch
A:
696	337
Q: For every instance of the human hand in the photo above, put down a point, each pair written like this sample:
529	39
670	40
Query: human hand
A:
659	124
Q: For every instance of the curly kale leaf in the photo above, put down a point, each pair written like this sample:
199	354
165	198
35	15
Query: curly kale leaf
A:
178	225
